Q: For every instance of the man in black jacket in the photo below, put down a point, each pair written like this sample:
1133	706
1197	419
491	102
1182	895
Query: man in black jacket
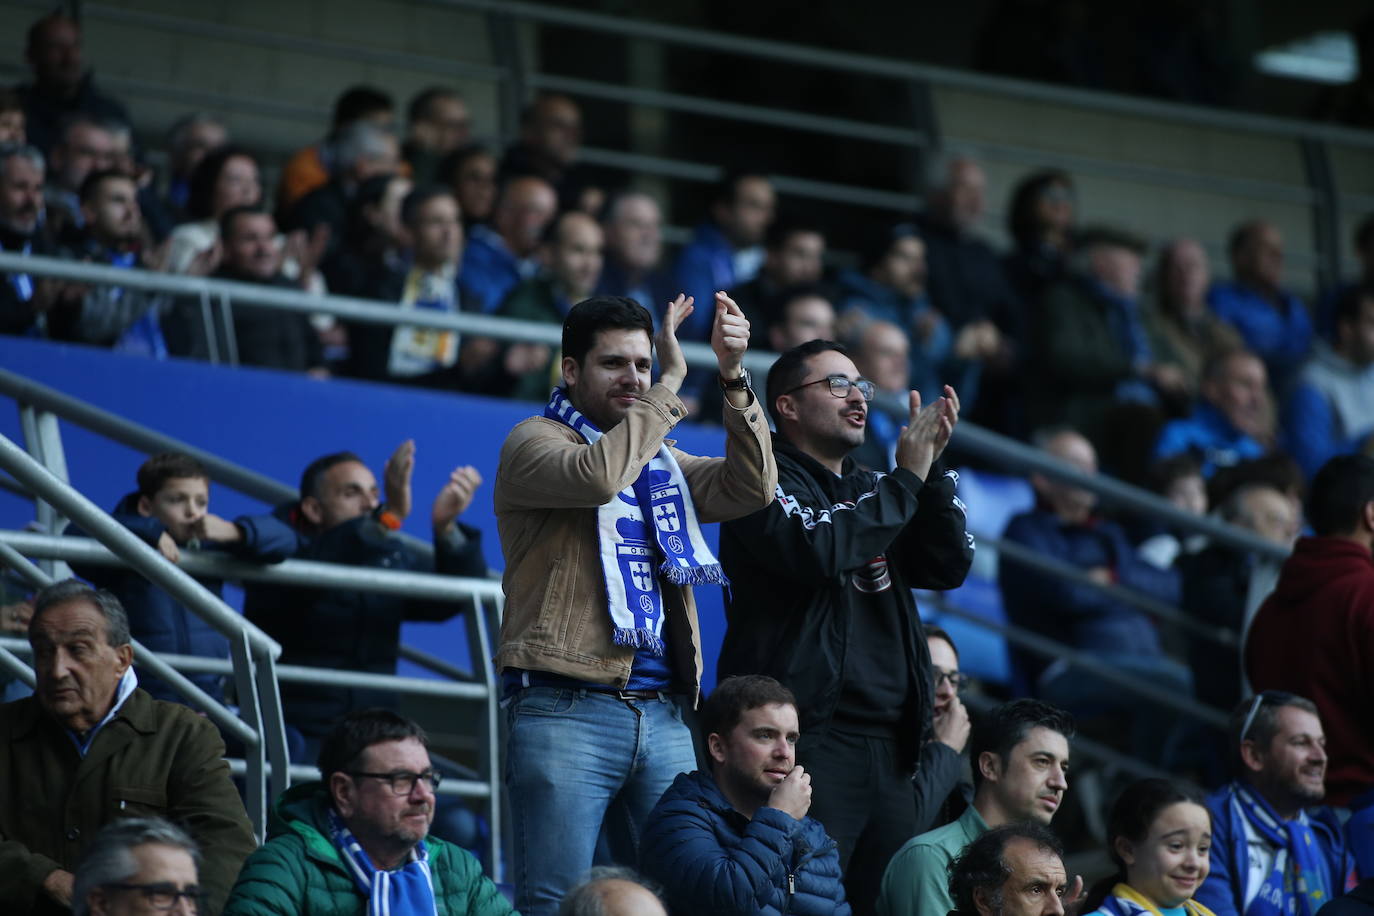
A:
341	518
820	596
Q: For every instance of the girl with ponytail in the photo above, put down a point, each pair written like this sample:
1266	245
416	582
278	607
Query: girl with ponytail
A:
1158	834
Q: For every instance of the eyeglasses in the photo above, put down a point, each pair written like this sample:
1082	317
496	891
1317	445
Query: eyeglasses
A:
839	386
956	679
163	895
402	782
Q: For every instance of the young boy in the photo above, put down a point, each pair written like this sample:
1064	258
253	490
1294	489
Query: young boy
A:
169	511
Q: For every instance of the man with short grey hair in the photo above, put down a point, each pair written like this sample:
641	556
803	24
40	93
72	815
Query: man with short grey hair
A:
22	173
613	891
362	150
137	865
89	747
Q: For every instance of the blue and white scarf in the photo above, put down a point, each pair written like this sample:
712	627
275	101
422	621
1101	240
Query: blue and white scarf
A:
628	555
1299	882
408	891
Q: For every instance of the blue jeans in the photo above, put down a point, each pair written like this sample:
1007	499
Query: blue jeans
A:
578	761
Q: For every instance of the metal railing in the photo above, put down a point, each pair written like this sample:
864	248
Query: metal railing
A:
260	725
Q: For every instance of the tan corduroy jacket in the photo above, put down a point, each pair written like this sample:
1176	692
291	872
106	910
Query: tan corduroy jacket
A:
548	487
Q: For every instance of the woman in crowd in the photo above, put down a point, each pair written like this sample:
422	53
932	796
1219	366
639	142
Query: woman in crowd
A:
1158	834
224	179
471	172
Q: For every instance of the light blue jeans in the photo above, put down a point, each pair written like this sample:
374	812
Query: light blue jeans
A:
578	761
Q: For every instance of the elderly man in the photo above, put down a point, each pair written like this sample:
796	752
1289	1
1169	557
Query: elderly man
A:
23	300
1013	870
501	255
358	839
1273	851
136	866
1233	421
633	225
89	747
612	890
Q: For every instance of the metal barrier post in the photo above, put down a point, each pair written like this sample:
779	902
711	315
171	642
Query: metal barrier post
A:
255	777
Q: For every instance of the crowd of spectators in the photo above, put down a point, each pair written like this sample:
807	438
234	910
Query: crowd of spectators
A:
1229	394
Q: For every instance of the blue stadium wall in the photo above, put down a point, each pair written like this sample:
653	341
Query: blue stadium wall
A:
275	423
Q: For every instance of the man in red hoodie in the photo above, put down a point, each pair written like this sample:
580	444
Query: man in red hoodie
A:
1314	636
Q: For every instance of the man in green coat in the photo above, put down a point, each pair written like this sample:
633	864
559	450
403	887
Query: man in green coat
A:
356	842
89	747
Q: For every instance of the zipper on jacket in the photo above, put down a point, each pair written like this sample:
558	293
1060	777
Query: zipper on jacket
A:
791	884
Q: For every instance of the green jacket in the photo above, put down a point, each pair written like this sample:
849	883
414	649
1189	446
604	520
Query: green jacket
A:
916	882
536	300
299	873
152	758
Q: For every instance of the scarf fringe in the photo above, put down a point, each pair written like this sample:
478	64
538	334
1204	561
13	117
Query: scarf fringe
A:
707	574
638	638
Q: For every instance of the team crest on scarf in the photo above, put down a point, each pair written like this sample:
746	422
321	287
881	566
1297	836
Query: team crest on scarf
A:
648	531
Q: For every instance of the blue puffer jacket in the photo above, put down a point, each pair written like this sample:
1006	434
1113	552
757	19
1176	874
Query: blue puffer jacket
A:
159	621
712	859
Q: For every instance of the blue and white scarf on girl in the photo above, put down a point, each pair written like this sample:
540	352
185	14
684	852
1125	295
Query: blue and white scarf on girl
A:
653	517
408	891
1299	882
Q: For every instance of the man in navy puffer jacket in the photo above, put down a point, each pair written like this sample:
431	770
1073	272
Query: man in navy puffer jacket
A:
736	841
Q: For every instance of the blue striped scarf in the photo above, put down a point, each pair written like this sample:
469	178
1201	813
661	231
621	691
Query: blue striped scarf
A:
1299	882
407	891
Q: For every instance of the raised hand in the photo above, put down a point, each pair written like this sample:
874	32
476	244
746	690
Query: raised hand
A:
952	726
672	366
793	794
168	547
925	435
455	497
396	478
729	336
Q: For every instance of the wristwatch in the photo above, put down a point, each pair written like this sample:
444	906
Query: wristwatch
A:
743	383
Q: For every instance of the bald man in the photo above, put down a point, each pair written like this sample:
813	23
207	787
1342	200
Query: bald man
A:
500	256
1064	526
612	891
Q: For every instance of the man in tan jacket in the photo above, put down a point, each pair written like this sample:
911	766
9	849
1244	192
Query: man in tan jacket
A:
600	520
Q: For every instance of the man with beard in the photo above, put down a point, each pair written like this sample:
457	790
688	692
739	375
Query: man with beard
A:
359	836
22	297
1273	851
820	596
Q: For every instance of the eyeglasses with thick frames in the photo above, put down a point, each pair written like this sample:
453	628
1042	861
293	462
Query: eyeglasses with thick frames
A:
402	782
839	386
956	679
163	895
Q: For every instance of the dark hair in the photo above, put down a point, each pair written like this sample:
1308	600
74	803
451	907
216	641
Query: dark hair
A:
154	473
1261	712
358	731
528	113
357	102
200	187
779	232
1241	234
1340	491
451	163
418	109
1109	236
36	30
231	216
1350	300
358	231
1364	232
880	240
934	632
310	477
790	368
1134	811
1022	222
1163	474
602	313
410	207
91	185
983	866
724	190
1008	725
779	302
10	101
735	696
69	590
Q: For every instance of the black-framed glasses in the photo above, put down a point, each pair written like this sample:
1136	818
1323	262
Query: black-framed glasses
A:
839	386
956	679
402	782
163	895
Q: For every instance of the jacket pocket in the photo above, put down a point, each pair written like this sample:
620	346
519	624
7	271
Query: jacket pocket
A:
554	605
138	801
